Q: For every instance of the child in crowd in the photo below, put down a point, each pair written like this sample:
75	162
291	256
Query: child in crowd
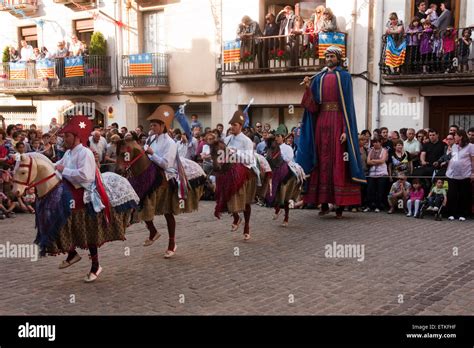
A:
464	43
6	206
432	14
425	44
413	44
437	197
449	47
400	191
417	194
29	199
436	48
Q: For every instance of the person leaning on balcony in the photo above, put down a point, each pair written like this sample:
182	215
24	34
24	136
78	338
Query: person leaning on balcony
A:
285	19
394	26
26	52
317	18
36	54
250	33
76	48
13	55
61	51
329	22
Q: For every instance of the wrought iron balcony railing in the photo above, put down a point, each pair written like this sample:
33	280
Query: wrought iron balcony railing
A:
280	54
145	72
54	76
427	58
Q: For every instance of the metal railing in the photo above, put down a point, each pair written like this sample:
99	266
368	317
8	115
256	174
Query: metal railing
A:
7	4
157	78
273	54
96	73
441	52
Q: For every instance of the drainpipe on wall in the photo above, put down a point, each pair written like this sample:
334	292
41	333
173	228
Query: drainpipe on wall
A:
378	25
353	30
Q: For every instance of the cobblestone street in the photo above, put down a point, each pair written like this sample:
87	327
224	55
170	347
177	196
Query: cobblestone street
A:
408	268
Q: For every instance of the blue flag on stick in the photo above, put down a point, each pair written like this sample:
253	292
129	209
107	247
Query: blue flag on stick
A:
183	121
246	114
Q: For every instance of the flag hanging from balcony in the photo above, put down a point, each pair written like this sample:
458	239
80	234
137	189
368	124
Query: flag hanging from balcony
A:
18	71
395	56
74	66
45	68
140	64
331	39
232	51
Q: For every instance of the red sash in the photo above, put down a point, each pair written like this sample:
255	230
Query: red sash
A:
103	195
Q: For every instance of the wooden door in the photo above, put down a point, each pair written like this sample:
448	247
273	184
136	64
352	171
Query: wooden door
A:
445	111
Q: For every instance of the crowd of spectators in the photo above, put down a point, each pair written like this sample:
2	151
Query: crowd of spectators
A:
405	169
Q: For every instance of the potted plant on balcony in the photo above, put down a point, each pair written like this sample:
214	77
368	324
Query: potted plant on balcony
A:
97	56
247	62
5	60
278	59
308	58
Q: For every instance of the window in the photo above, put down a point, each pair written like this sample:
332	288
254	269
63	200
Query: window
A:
30	35
84	28
154	32
464	121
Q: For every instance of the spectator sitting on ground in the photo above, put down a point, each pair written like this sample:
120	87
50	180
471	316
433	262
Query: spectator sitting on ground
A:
28	200
7	206
417	194
399	191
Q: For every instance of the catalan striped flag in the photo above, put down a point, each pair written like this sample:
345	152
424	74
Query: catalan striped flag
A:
140	64
232	51
74	66
45	68
18	71
395	56
328	39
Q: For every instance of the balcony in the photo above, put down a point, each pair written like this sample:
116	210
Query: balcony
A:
430	68
77	5
41	79
19	8
145	73
276	57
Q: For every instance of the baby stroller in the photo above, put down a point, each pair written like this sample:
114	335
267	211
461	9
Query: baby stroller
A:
437	211
436	204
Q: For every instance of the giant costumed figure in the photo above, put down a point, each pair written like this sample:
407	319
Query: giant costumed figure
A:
328	146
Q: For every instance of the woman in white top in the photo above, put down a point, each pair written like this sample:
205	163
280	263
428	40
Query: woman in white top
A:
460	172
378	176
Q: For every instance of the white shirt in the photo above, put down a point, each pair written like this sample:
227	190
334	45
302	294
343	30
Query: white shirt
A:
459	166
99	147
412	146
243	147
164	154
79	166
26	53
287	153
